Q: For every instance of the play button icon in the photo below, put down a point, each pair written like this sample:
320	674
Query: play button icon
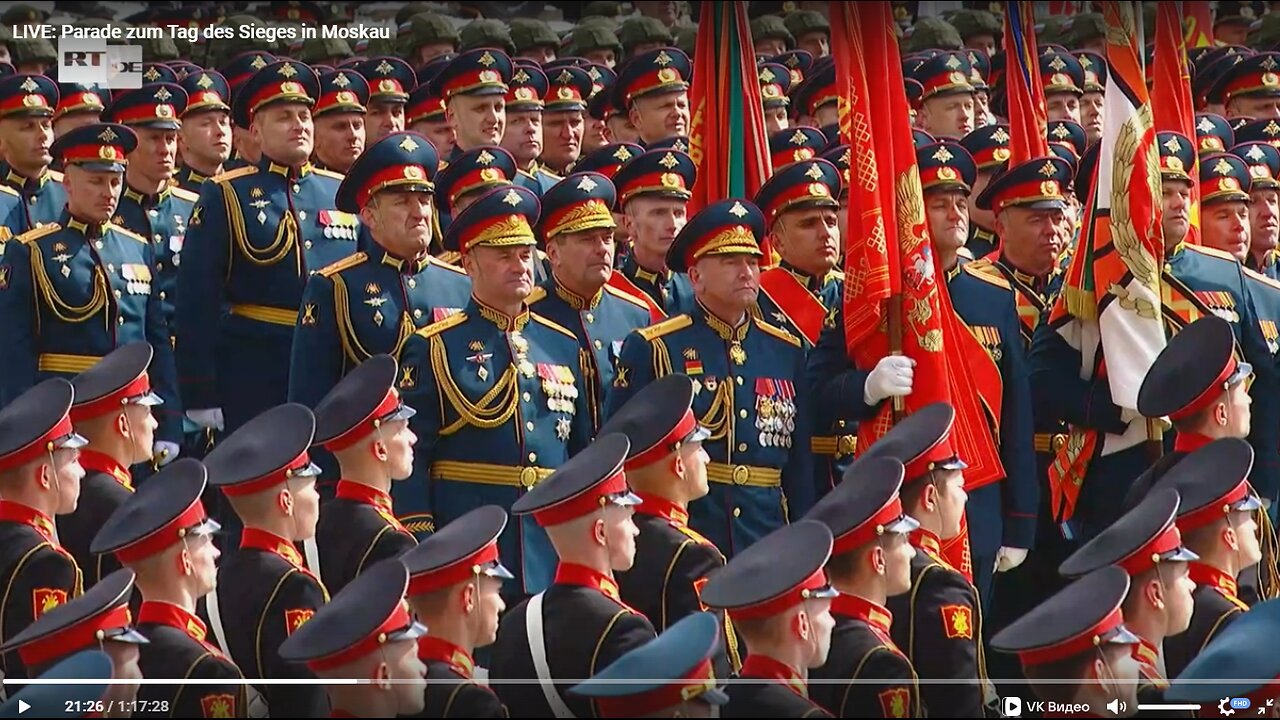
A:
23	706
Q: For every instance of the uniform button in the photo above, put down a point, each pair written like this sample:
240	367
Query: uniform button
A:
412	283
98	244
117	294
302	214
417	312
742	447
737	512
591	318
307	244
527	397
739	379
840	423
529	426
111	268
156	237
162	295
31	200
296	187
599	344
159	266
742	414
120	320
533	457
153	212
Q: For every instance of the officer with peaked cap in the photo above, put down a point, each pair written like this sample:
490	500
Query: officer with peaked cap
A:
947	105
25	166
1063	78
78	105
670	676
653	192
564	112
1224	667
1213	134
783	612
794	145
1224	188
40	477
468	376
1145	543
467	176
652	89
237	70
1217	521
1095	87
595	133
1263	160
579	625
205	137
1003	514
266	474
48	699
241	299
455	578
339	117
577	228
364	423
761	466
149	204
1079	633
667	469
1251	87
523	136
425	111
399	286
164	536
365	633
989	147
608	160
473	86
814	101
113	411
98	620
76	289
775	83
1030	206
940	624
390	82
870	562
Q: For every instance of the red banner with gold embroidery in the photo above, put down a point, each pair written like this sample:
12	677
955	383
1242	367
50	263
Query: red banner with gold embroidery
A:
1171	103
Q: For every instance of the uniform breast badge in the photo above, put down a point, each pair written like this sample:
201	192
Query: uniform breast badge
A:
480	358
737	353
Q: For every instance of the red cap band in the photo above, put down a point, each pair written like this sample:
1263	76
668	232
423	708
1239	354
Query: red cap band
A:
388	87
476	179
38	447
24	103
398	620
471	80
141	385
391	177
668	182
366	426
941	451
1216	510
656	80
266	482
167	536
797	192
339	100
86	100
1210	394
931	177
136	114
1147	556
1090	638
93	153
777	605
426	108
869	530
584	504
701	679
1027	192
450	575
944	82
289	90
75	637
665	446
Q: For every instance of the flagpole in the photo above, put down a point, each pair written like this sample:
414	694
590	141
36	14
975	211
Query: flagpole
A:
893	316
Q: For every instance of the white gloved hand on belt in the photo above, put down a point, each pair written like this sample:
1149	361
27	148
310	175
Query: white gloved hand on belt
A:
1008	558
209	418
892	377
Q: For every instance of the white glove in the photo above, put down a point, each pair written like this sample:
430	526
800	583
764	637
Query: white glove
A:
1008	558
164	452
891	377
211	418
1128	415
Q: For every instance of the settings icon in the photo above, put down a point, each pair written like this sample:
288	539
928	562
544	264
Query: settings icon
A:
1224	707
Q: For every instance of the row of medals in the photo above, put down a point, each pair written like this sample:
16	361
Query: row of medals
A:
776	421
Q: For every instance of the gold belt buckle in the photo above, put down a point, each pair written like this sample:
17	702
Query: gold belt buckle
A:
846	445
1058	441
528	477
741	474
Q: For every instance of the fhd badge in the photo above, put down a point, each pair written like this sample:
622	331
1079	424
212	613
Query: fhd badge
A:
94	62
